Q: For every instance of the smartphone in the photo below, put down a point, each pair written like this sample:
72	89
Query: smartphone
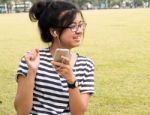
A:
60	52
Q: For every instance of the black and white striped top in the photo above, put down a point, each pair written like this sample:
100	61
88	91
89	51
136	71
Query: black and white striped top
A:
50	96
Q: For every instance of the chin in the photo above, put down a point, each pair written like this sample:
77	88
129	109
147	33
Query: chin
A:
74	46
77	44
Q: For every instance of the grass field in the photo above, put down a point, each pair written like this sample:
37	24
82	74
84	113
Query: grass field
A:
117	40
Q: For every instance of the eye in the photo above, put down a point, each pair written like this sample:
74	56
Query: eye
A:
72	26
80	25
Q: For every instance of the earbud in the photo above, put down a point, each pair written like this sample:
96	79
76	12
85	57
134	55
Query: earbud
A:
56	36
55	33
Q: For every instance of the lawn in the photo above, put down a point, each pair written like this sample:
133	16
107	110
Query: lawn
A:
118	41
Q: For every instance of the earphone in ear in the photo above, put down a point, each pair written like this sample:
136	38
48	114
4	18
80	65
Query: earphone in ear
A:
55	33
57	37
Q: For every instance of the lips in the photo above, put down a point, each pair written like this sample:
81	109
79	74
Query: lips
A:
77	38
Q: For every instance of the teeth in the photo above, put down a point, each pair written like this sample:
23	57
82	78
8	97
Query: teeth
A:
77	37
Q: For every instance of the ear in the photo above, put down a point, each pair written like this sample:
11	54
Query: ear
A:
53	32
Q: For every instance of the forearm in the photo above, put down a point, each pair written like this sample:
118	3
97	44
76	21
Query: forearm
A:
24	97
77	106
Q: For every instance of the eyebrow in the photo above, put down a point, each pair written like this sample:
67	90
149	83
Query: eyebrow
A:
76	22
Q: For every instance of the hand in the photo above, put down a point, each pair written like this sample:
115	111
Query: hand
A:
65	69
32	59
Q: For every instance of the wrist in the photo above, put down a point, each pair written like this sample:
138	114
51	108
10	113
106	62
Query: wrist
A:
73	85
32	72
71	80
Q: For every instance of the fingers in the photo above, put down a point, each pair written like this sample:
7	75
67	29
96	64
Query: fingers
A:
32	55
64	68
58	65
36	51
65	60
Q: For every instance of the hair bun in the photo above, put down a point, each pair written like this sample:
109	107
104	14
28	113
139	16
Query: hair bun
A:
37	9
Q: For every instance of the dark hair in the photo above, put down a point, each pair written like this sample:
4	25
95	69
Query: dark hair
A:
53	14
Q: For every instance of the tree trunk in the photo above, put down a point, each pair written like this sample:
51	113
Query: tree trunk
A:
24	6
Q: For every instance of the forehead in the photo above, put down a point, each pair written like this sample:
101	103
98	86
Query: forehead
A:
78	18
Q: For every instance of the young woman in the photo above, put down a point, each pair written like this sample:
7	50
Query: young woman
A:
47	87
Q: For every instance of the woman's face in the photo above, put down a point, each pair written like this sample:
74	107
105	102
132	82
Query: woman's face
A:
72	36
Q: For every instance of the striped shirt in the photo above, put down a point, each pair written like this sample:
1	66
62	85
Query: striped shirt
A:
50	95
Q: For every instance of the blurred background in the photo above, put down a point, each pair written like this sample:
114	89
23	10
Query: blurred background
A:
11	6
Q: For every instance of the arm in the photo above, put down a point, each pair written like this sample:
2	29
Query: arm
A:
86	89
78	102
24	95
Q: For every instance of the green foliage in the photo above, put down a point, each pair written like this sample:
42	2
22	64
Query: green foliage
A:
114	2
137	2
109	3
4	1
82	2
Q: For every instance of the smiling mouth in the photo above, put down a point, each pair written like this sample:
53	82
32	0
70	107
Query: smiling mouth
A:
78	38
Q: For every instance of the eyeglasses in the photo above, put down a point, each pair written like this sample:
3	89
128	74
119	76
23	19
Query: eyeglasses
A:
75	27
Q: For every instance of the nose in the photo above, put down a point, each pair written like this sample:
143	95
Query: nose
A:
79	30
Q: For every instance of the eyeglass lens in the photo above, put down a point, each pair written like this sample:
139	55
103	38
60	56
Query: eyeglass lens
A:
75	27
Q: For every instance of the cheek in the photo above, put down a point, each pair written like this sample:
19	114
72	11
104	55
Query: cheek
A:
66	36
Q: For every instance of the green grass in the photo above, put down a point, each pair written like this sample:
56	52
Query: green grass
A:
118	42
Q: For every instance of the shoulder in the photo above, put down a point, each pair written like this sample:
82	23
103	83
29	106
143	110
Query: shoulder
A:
86	60
45	54
44	51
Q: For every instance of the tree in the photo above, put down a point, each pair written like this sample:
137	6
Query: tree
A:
8	3
148	1
137	3
115	2
4	1
82	2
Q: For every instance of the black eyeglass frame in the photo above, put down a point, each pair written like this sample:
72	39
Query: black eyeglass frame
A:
82	26
75	27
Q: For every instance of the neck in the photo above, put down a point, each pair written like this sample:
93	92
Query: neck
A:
53	47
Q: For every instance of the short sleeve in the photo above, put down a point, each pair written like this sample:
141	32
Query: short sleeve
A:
22	68
88	80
